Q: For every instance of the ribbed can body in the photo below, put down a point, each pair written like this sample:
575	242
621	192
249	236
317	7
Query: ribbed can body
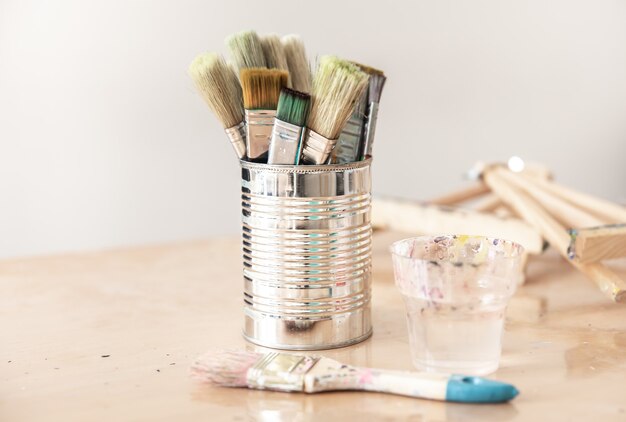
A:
306	254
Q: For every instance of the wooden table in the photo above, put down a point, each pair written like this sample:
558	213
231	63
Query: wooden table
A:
110	336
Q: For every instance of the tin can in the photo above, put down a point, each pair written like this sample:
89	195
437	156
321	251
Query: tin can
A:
307	254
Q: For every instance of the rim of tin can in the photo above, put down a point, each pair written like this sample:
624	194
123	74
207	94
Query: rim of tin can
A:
305	168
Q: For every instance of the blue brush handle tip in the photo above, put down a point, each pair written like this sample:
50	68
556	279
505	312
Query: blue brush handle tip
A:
478	390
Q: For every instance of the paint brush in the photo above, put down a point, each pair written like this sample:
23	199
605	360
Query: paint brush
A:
246	50
351	139
261	90
311	374
291	114
299	69
376	83
218	84
274	53
337	86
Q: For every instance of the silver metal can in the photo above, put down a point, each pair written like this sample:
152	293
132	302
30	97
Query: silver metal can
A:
307	254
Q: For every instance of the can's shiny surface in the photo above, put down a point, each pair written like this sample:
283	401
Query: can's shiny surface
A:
306	254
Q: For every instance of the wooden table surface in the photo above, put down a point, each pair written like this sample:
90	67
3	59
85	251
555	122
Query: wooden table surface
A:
110	336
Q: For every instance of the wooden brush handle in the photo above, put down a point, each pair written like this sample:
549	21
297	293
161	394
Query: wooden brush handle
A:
608	282
412	384
330	375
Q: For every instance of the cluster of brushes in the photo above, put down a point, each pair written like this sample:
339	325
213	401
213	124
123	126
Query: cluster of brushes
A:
275	111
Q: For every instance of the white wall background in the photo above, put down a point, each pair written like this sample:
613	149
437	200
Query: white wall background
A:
104	141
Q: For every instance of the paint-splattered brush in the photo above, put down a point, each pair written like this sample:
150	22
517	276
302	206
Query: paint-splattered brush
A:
274	53
291	114
311	374
375	88
246	50
337	86
299	69
261	90
218	84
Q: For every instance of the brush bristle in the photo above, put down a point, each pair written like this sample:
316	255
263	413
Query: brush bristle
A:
337	86
376	81
299	69
218	84
293	107
261	87
274	52
225	368
246	49
369	70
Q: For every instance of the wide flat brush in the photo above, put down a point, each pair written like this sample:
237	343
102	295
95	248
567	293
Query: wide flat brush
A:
274	53
218	84
351	139
291	114
299	69
337	86
311	374
246	50
375	87
261	90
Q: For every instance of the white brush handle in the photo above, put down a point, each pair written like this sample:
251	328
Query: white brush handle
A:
412	384
330	375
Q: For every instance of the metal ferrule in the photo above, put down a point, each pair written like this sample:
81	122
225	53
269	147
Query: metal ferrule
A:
349	143
259	125
370	130
280	371
237	137
285	143
316	148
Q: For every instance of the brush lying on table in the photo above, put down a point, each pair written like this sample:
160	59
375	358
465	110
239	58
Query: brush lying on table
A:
311	374
341	99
